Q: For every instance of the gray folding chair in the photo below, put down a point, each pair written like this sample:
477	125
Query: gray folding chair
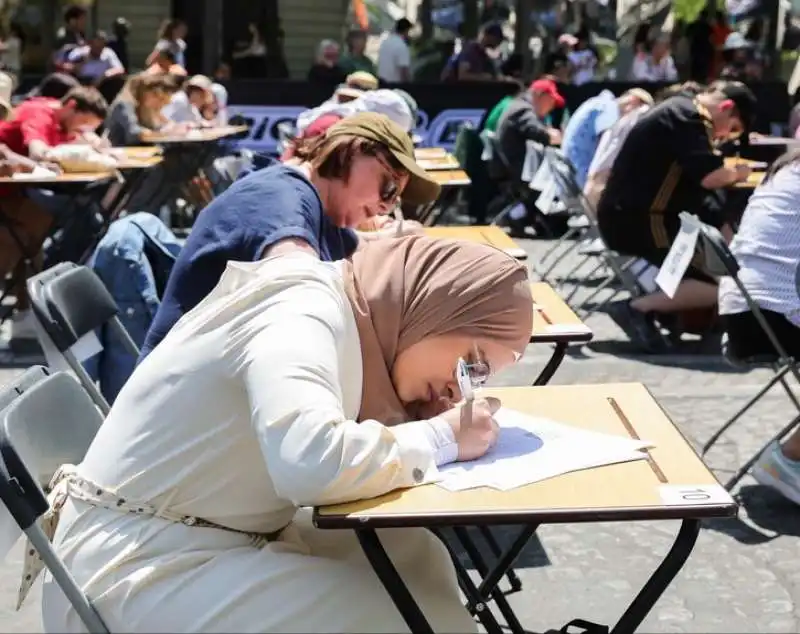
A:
720	261
50	424
618	266
71	303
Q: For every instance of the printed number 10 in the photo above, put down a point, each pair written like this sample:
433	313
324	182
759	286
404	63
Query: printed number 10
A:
694	495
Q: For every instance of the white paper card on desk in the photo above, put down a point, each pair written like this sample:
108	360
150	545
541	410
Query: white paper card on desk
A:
543	175
693	494
531	449
545	200
87	346
679	256
37	173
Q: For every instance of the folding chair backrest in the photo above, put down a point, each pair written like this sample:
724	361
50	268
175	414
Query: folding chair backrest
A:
70	304
720	261
11	390
718	258
50	424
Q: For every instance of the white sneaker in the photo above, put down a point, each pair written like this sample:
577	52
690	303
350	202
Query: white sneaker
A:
774	470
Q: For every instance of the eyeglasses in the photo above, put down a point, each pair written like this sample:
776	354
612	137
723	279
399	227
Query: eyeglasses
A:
474	368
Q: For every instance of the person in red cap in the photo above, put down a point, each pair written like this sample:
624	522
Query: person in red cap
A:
524	120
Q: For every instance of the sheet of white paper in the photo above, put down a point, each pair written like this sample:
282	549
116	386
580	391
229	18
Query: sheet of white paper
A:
547	197
37	173
678	258
531	449
87	346
543	175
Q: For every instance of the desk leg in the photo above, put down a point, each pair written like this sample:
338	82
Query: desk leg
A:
476	604
488	536
659	581
393	582
552	365
483	569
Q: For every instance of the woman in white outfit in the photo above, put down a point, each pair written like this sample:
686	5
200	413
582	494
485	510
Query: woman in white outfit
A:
291	385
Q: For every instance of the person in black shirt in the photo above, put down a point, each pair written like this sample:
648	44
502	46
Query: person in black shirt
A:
669	163
119	40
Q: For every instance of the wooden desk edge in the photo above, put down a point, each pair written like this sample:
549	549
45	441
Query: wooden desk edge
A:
577	336
539	516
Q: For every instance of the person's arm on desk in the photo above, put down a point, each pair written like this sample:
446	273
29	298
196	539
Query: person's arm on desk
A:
288	357
725	177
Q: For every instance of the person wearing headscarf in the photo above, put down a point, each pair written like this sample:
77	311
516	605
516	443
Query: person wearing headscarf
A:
296	383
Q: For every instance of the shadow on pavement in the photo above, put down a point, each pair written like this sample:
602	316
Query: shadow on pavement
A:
764	515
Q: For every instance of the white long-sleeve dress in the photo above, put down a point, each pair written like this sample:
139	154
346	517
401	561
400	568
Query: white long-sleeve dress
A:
241	416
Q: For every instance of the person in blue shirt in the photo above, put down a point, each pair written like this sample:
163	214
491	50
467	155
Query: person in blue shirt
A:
591	119
310	205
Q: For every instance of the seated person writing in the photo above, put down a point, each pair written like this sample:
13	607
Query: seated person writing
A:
139	108
668	164
39	125
187	103
590	120
524	120
296	383
95	61
316	121
767	248
308	205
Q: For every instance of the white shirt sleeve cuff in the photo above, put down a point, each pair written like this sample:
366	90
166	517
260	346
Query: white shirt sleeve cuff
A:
424	445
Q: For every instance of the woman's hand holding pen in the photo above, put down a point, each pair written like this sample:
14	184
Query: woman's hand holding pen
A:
474	427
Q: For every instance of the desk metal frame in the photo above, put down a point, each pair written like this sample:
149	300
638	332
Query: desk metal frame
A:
479	595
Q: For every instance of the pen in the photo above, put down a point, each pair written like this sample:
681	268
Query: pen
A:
398	215
465	386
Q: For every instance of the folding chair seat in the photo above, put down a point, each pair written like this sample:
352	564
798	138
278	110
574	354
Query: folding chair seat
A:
50	424
720	261
70	304
572	196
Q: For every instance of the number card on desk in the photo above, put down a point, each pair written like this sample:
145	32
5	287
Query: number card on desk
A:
679	257
687	494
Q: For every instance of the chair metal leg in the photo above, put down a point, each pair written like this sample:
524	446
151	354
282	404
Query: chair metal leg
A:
711	441
61	575
730	484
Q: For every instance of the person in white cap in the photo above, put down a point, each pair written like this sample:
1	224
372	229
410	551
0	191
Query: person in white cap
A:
187	104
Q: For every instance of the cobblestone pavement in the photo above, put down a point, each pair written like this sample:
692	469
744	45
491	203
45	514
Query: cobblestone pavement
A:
743	575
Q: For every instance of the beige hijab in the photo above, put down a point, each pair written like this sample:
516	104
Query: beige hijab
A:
406	289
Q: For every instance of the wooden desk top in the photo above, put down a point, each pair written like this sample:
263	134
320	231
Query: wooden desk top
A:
451	178
430	152
201	135
640	490
74	178
139	151
447	162
732	161
133	163
491	235
753	181
553	320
